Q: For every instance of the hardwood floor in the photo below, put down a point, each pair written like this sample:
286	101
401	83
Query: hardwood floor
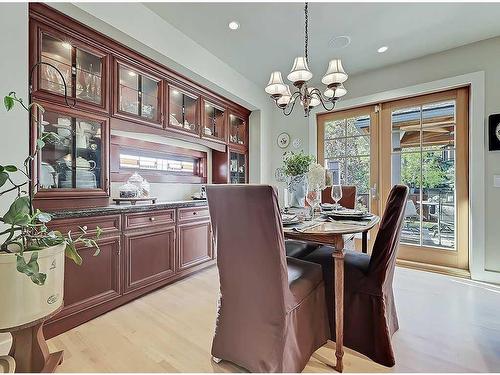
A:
446	325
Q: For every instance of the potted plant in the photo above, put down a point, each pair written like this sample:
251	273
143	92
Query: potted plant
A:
31	255
295	167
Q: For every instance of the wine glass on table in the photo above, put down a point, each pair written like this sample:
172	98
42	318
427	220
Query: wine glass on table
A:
337	195
313	198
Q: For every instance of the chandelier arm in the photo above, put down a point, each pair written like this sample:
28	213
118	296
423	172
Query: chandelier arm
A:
323	99
291	103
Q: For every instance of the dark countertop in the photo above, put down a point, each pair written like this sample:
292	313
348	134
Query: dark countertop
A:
124	208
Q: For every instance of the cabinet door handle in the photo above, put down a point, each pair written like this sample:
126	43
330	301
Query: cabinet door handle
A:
194	212
152	219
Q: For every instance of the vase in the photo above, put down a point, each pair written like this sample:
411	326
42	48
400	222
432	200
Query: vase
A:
21	299
297	187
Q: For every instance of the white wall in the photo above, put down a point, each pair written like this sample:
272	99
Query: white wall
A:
14	124
480	56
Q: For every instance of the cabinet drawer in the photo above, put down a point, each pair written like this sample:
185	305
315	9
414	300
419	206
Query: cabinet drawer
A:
187	214
148	219
109	224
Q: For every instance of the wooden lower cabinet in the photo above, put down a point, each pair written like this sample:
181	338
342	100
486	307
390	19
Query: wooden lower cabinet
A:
131	263
149	257
194	244
89	287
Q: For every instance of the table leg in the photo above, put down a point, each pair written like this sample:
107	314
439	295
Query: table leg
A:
338	259
364	242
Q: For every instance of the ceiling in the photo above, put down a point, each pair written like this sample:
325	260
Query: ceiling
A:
271	34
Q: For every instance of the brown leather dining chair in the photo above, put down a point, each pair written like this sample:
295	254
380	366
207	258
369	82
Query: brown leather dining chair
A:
370	317
272	314
299	249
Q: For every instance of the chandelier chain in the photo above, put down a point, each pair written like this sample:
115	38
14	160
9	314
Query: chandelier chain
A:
306	32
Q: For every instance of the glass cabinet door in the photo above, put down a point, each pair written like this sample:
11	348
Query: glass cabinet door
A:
73	157
82	70
237	168
183	111
88	76
138	94
237	130
213	122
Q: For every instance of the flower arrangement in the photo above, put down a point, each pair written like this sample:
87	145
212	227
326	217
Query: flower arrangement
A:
316	176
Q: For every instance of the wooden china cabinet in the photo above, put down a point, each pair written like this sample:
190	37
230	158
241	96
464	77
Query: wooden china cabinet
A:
112	88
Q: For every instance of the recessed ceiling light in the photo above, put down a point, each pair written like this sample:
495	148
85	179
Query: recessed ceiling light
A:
131	73
66	45
175	92
340	41
233	25
382	49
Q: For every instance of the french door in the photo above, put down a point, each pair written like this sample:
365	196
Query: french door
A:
421	142
348	148
424	145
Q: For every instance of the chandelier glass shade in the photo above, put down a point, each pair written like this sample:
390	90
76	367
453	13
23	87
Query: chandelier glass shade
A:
309	97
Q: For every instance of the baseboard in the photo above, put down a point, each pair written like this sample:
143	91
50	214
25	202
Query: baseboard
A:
450	271
5	341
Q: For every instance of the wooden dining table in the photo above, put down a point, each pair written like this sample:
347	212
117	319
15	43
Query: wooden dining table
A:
332	233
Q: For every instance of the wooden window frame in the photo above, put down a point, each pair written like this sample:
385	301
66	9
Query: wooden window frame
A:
152	149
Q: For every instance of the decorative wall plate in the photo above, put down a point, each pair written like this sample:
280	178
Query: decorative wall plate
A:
297	143
283	140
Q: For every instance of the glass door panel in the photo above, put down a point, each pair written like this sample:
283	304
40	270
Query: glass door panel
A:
73	156
347	152
129	91
149	96
423	159
241	168
138	94
237	130
213	121
183	110
82	70
59	54
424	142
237	168
88	77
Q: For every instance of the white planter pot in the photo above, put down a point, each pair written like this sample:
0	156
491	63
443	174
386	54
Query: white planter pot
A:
21	300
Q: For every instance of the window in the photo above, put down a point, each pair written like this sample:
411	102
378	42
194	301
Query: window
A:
347	153
156	162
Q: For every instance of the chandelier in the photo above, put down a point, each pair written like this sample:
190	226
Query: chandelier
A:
300	74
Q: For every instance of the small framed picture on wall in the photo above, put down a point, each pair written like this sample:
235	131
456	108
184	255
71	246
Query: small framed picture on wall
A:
494	132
